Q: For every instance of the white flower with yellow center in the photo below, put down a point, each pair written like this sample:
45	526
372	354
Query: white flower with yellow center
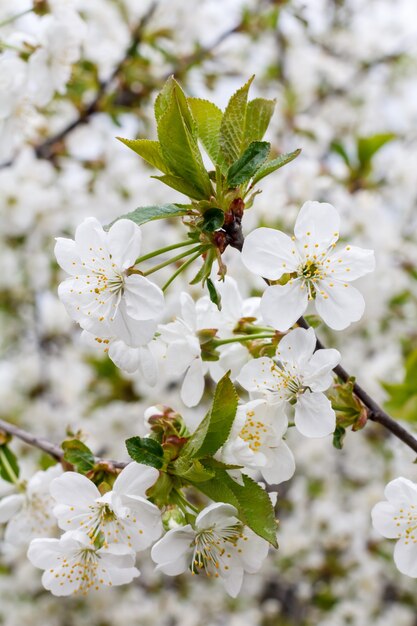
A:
297	376
255	442
315	269
122	515
103	293
73	565
218	546
396	518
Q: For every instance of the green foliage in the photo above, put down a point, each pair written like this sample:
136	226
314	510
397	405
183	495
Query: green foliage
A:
252	502
9	467
248	164
193	470
214	430
79	455
213	219
367	147
144	214
349	409
149	150
232	128
215	297
258	115
338	437
273	165
177	135
402	397
145	450
208	118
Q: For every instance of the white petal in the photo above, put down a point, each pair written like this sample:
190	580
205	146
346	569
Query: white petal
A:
258	375
135	479
401	491
181	353
216	514
172	552
126	358
66	252
318	375
133	332
193	385
148	365
317	223
269	253
405	557
351	263
343	305
72	488
233	583
90	238
314	416
254	551
282	465
44	553
297	346
144	299
282	305
123	241
383	521
9	506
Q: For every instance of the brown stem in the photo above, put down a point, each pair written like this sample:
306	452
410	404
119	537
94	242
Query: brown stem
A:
52	449
375	412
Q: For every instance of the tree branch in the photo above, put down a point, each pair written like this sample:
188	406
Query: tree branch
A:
51	449
375	412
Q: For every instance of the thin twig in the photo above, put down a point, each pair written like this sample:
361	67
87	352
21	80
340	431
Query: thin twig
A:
375	412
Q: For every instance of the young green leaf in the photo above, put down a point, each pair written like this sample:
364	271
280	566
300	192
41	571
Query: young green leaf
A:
144	214
177	136
181	185
79	455
149	150
213	219
248	164
368	146
9	467
215	427
253	503
270	166
215	297
145	450
232	128
258	116
208	118
164	97
192	470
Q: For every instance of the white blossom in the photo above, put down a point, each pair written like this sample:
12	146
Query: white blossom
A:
256	442
72	564
299	376
218	545
315	269
396	518
122	515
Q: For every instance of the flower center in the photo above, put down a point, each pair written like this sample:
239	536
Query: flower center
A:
409	520
253	432
212	549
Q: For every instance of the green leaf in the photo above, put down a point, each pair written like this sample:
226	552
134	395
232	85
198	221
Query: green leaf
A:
192	470
337	147
79	455
215	297
248	164
252	502
149	150
258	116
270	166
144	214
181	185
213	219
232	128
368	146
9	467
215	427
145	450
164	97
338	437
177	135
208	118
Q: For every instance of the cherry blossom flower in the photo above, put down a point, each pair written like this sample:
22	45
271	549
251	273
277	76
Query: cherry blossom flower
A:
102	294
29	514
122	515
396	518
72	564
315	270
219	545
256	442
297	375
